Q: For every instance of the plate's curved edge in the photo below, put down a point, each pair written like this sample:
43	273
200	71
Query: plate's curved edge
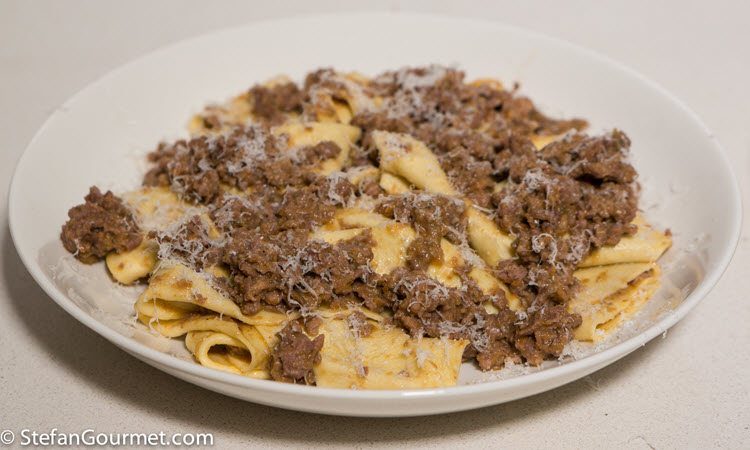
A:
619	350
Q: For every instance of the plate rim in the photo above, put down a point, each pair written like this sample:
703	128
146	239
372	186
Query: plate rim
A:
714	271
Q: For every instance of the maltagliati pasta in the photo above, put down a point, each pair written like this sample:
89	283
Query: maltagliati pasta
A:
375	233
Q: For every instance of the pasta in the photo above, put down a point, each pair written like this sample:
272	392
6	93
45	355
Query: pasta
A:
376	233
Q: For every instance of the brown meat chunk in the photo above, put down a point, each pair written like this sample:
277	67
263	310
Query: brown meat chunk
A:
184	166
598	158
273	103
188	242
425	307
291	272
571	197
433	217
247	158
234	211
523	115
295	355
101	225
545	332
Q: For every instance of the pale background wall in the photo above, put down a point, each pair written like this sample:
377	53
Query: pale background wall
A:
688	390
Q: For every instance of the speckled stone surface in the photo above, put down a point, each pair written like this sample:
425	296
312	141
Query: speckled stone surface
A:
688	390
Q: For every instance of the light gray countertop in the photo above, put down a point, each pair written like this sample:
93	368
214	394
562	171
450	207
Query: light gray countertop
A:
689	389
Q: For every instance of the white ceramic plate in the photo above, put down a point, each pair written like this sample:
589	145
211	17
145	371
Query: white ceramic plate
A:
100	135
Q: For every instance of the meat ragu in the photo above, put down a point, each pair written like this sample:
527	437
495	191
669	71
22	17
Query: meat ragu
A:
559	203
101	225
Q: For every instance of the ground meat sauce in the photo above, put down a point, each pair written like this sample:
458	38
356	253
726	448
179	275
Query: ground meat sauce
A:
294	356
559	203
188	241
466	125
273	103
571	197
433	217
247	158
425	307
288	271
101	225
